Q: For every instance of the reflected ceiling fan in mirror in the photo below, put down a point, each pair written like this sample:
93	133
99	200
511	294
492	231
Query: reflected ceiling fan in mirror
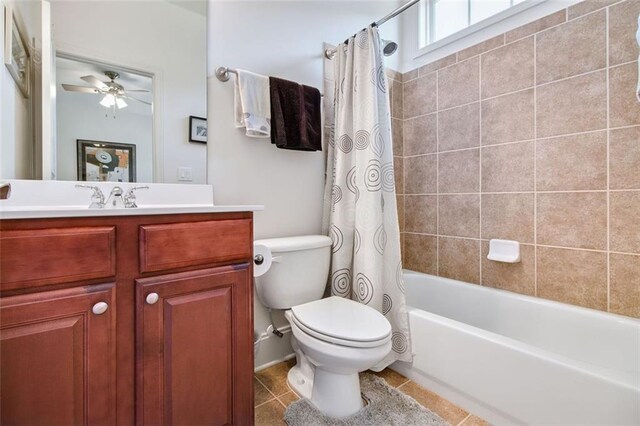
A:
114	93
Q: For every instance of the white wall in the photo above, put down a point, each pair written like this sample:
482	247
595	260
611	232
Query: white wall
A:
412	59
154	36
282	39
80	116
16	134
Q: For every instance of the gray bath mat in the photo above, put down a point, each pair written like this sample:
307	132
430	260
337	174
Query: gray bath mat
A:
387	406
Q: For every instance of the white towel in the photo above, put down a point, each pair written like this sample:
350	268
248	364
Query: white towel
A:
252	104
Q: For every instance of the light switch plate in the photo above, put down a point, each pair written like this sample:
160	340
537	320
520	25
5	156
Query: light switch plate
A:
185	174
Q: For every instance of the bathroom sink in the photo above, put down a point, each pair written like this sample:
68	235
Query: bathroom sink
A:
41	199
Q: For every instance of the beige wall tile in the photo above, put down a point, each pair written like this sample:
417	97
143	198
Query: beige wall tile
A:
508	68
573	48
623	23
421	135
459	215
587	6
625	108
508	118
458	171
410	75
458	84
576	162
420	174
397	136
436	65
400	207
421	214
398	172
577	277
420	253
572	219
577	104
459	127
419	96
624	212
481	47
459	259
624	158
536	26
393	74
508	168
625	284
516	277
508	217
396	98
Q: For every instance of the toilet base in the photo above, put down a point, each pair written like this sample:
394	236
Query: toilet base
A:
336	395
300	383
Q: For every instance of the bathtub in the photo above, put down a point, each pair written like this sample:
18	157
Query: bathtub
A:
514	359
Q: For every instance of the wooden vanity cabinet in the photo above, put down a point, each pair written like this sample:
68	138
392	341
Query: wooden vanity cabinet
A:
127	319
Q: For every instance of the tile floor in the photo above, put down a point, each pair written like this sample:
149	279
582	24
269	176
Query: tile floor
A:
273	395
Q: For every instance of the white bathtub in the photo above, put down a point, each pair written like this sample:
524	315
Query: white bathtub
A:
518	359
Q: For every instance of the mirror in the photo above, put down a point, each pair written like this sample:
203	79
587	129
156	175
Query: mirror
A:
124	78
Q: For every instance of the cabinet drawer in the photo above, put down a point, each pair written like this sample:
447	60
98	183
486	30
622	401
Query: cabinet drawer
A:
38	257
179	245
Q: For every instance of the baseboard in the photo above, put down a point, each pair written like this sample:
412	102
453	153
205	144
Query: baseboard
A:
271	363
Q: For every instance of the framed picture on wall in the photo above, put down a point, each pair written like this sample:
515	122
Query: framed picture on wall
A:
197	129
106	161
16	52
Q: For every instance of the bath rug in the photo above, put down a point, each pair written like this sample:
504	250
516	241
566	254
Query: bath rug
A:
387	406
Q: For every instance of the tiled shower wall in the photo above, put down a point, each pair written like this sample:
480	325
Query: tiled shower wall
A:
531	136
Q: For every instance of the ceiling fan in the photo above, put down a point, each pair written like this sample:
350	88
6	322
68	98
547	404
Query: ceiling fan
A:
114	93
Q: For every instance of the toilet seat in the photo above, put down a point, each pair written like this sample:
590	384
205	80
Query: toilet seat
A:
342	322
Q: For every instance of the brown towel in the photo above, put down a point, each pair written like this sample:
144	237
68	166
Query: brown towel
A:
295	115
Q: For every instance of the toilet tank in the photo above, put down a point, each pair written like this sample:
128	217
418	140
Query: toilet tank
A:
298	272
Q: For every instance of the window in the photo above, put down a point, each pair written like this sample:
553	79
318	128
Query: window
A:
442	18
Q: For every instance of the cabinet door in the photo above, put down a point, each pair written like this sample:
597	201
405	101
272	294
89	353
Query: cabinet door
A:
57	357
194	348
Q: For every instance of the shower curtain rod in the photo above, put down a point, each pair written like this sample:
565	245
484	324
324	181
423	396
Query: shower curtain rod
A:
330	52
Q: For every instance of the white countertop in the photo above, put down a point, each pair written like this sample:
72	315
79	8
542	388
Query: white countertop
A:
80	211
56	199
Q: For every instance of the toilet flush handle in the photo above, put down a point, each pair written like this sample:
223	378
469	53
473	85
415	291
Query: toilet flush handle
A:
276	259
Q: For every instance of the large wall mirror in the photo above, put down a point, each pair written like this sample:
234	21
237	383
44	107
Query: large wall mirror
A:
116	87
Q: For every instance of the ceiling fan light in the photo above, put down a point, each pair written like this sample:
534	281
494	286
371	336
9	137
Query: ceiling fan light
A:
121	103
108	101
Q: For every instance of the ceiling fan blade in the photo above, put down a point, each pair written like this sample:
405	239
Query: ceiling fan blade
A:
81	89
137	90
94	81
139	100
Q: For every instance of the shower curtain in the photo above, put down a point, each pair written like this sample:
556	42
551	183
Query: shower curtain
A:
360	213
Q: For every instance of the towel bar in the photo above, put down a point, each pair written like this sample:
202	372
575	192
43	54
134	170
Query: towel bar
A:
222	74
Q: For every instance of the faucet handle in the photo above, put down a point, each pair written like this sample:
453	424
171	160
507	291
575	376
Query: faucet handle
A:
97	198
130	196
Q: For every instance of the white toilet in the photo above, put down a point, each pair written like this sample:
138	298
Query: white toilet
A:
334	338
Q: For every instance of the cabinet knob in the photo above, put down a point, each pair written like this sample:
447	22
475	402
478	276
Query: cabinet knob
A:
152	298
100	308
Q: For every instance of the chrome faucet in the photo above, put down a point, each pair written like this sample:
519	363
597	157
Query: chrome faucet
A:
97	198
116	199
130	197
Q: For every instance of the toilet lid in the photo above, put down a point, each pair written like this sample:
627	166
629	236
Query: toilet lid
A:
342	321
